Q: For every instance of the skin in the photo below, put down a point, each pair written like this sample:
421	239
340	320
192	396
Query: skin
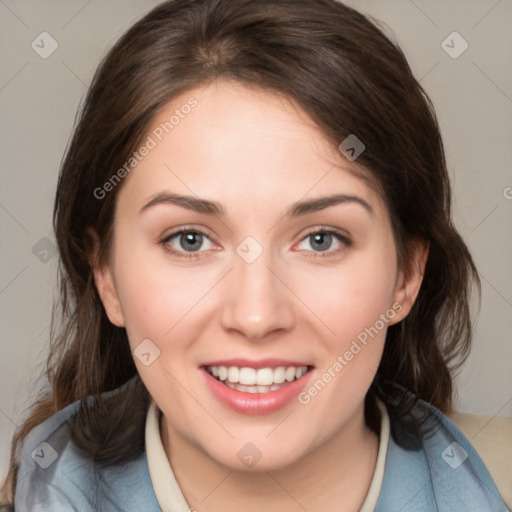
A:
256	153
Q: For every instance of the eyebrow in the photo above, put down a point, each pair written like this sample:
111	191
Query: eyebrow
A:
214	208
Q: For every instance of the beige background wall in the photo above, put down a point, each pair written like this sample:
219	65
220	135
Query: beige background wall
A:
39	97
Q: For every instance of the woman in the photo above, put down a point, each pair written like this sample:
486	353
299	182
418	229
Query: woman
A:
263	294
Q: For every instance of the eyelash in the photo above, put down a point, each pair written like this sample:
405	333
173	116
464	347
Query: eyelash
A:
346	242
187	256
342	238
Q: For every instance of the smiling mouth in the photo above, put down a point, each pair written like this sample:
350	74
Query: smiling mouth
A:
262	380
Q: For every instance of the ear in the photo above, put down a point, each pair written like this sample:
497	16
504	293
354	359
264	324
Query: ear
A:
409	280
104	280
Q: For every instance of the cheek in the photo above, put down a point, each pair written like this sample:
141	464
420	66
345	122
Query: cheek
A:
350	298
159	301
355	303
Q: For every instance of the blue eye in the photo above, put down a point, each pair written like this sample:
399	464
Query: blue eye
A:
190	243
322	240
186	242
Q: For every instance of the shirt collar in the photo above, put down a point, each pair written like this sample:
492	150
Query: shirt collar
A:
168	492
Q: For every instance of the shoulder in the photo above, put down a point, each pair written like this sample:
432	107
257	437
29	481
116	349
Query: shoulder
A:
431	465
491	436
55	475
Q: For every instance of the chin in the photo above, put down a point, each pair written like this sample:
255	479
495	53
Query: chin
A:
254	456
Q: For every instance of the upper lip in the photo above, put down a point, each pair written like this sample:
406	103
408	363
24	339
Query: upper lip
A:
256	363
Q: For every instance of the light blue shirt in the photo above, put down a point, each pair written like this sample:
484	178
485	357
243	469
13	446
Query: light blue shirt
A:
437	471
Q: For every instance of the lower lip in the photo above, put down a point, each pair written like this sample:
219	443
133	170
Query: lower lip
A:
255	403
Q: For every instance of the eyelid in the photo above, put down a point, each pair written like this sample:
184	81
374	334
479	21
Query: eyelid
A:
184	229
342	236
164	241
326	229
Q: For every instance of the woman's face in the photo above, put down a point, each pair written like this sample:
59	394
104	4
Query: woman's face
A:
251	293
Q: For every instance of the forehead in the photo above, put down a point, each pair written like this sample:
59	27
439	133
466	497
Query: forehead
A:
226	140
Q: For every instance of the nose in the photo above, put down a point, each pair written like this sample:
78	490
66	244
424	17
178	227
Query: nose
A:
258	303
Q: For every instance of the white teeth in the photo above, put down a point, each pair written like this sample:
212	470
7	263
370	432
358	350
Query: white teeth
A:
247	376
264	378
279	372
290	373
233	374
299	372
223	373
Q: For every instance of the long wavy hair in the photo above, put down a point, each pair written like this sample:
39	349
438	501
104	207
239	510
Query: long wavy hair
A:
349	78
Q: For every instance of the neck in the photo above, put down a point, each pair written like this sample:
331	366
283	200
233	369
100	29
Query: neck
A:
335	476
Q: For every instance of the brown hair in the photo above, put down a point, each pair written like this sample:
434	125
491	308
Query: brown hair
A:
351	79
